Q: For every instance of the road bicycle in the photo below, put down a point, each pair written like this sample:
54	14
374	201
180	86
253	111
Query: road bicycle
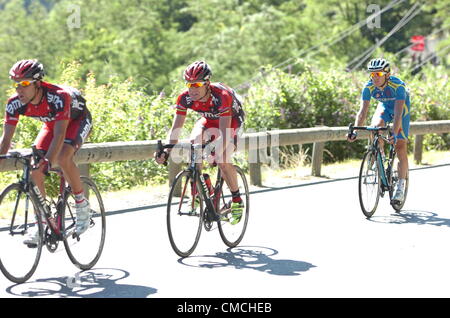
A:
194	203
378	174
22	208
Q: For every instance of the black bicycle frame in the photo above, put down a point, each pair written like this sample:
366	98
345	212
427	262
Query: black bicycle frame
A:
196	173
384	173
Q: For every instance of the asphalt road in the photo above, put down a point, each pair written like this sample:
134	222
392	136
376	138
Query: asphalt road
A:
305	240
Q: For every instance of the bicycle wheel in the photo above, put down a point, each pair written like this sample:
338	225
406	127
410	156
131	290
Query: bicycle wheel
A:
84	250
393	180
17	217
184	214
369	184
232	234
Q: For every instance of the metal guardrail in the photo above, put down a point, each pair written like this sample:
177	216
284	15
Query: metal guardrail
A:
254	143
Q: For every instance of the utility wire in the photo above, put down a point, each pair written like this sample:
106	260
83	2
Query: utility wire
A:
333	40
406	18
430	57
412	44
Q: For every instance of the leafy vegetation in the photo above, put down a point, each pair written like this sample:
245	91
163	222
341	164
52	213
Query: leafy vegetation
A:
127	58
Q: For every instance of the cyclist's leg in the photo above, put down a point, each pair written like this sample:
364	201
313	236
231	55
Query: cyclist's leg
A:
379	119
42	143
198	135
224	160
401	145
230	174
77	132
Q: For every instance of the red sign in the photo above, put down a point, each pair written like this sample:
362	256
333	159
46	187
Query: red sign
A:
418	42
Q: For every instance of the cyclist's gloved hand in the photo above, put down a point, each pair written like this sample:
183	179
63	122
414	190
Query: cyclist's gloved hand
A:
352	136
161	157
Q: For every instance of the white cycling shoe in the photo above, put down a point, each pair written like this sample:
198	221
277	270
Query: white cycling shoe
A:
32	238
83	211
398	195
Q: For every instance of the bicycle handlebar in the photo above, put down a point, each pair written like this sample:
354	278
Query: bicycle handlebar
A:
161	148
16	155
26	159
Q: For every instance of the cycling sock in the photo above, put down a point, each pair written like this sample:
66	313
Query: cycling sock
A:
79	197
236	196
400	183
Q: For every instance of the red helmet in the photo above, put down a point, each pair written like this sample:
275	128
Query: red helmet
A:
197	71
27	69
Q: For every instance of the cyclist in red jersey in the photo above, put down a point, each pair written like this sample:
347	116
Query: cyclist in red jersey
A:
67	124
222	116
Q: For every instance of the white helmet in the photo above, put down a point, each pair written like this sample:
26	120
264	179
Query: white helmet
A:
377	65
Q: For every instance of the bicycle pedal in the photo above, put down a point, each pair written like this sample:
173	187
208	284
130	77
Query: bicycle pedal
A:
31	245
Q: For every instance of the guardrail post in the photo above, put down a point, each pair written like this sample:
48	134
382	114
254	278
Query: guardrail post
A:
84	171
418	147
317	157
254	167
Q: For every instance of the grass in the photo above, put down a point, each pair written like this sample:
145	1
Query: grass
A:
348	168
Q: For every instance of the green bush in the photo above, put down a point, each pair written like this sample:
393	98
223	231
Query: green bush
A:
122	111
332	98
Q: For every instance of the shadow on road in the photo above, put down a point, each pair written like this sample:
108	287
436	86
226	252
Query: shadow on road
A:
249	257
413	216
96	283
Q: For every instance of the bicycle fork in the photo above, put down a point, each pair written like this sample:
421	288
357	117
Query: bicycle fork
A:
13	220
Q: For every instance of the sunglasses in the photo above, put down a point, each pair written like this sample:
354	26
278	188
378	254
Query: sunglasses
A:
196	84
23	83
379	74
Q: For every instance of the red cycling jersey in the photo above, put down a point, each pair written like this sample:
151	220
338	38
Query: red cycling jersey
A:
58	103
223	102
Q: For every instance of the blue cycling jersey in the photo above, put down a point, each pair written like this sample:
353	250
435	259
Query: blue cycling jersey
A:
394	90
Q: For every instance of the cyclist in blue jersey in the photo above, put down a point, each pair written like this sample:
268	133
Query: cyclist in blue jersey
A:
394	106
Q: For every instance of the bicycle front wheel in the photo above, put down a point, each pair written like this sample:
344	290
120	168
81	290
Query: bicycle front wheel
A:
184	214
84	250
17	218
232	234
369	184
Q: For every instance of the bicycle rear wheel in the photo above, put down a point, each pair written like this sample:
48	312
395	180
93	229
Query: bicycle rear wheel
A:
84	250
184	214
17	217
231	234
393	181
369	184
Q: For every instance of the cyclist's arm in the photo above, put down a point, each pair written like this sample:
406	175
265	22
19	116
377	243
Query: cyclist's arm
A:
8	133
174	134
398	111
362	113
400	96
59	134
175	131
